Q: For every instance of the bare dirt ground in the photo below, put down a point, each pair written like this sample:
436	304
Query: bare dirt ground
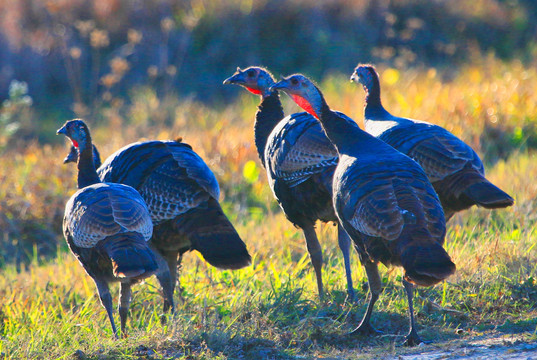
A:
488	346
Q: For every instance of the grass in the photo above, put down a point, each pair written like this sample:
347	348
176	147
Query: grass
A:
49	308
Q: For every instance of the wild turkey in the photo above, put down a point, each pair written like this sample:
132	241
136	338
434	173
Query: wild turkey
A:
383	200
300	163
107	227
182	194
454	169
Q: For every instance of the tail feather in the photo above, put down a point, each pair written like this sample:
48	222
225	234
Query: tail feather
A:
426	262
212	234
488	195
131	256
469	187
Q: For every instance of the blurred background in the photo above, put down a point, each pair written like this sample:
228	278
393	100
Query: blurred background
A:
78	55
154	69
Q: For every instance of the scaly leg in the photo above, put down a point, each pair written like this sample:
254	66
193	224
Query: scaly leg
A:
106	301
412	339
165	280
344	242
124	303
375	287
316	256
174	260
176	281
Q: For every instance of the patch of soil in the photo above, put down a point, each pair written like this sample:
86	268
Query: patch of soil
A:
489	346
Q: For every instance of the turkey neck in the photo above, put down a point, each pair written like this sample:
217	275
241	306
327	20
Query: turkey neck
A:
268	115
87	175
373	105
96	158
346	136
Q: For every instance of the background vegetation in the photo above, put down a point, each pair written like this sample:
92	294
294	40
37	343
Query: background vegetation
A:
153	70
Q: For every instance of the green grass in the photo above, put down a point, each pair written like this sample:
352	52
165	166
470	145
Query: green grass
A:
49	307
271	309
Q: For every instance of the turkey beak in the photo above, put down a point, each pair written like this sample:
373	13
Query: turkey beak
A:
233	79
279	85
354	78
62	130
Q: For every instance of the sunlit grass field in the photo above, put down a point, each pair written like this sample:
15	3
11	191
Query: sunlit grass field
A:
49	307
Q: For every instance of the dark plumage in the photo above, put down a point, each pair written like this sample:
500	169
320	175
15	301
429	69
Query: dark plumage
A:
383	200
300	163
182	194
454	169
107	227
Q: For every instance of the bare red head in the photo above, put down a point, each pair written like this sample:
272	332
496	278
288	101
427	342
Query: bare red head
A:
77	131
303	91
255	79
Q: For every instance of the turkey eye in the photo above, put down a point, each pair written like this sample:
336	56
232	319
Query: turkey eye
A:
250	73
294	81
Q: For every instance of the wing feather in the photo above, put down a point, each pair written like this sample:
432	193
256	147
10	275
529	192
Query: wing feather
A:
438	152
298	148
385	197
169	175
102	210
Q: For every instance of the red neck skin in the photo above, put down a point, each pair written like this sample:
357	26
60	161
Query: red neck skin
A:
254	91
304	104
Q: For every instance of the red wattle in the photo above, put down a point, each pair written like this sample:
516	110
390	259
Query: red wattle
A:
75	143
304	104
254	91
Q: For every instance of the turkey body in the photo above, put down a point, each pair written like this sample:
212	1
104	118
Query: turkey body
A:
100	217
383	200
107	227
181	193
454	169
300	162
